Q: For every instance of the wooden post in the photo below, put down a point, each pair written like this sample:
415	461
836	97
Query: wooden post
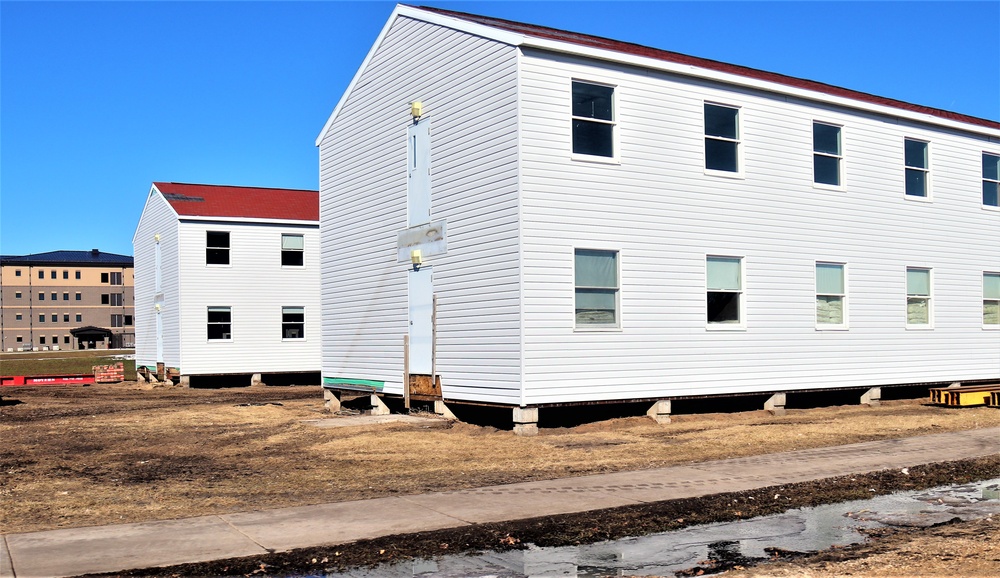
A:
406	371
434	329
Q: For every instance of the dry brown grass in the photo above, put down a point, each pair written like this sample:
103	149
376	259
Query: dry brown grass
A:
108	454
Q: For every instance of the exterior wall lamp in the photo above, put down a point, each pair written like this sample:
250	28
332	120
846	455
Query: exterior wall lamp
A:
416	258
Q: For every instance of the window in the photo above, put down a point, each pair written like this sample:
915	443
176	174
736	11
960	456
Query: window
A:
41	340
991	299
918	296
54	274
991	180
128	320
724	279
917	167
220	321
293	322
65	274
20	339
116	278
66	339
826	154
104	277
596	280
55	296
722	138
117	299
217	248
17	272
79	297
41	296
77	274
79	318
41	274
65	296
17	317
17	295
117	320
65	317
831	295
593	119
105	299
41	318
292	247
55	318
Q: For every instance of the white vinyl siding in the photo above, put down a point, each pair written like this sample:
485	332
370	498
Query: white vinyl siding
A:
157	218
467	85
254	286
662	211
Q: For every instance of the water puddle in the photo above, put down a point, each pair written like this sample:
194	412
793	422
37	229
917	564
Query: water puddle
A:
691	549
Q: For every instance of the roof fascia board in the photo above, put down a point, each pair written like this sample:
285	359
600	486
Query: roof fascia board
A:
251	220
429	17
728	78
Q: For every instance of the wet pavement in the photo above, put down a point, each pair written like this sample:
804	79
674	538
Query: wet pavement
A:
713	546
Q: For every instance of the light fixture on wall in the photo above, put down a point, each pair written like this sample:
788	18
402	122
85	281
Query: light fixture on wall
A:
416	110
417	259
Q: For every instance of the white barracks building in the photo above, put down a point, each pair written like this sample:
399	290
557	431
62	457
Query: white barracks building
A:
599	221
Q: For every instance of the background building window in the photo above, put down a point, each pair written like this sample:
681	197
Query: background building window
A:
917	167
41	274
55	296
830	294
217	248
41	318
41	296
104	277
293	322
17	317
55	318
596	280
17	272
722	138
128	320
41	340
292	249
17	295
77	274
220	321
65	317
991	180
105	299
724	277
115	278
918	296
79	318
826	154
117	320
65	296
65	274
991	299
79	296
54	274
66	339
593	119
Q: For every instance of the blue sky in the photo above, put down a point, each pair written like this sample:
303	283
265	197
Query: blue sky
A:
97	100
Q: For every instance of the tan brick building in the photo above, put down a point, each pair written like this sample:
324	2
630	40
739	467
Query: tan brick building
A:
66	300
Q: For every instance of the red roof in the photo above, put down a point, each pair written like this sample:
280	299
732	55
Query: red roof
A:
241	202
678	58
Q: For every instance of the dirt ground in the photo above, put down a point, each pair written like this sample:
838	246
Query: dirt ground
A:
80	456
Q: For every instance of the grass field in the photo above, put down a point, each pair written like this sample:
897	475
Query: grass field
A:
60	362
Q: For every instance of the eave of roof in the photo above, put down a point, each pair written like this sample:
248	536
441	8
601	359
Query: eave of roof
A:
243	203
555	39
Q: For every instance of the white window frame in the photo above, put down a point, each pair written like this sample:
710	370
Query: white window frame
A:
283	322
229	249
592	327
209	323
843	325
614	159
985	180
926	170
839	156
301	252
929	297
739	173
741	323
991	326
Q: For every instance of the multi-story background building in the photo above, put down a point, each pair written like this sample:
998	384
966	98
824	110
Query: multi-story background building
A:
66	300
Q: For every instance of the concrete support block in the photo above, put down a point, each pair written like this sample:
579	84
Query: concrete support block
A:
378	406
139	377
660	412
255	380
526	421
185	381
955	384
776	404
331	401
872	397
442	410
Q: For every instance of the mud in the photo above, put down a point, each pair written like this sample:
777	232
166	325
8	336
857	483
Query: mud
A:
609	524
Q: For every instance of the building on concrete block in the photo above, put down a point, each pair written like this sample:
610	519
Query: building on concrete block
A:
538	217
227	283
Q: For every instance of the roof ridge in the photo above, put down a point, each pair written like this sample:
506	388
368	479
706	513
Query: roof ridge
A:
233	186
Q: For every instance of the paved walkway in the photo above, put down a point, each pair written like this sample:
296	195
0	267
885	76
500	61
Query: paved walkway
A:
75	551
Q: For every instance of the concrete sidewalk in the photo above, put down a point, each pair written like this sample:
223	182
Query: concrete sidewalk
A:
76	551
